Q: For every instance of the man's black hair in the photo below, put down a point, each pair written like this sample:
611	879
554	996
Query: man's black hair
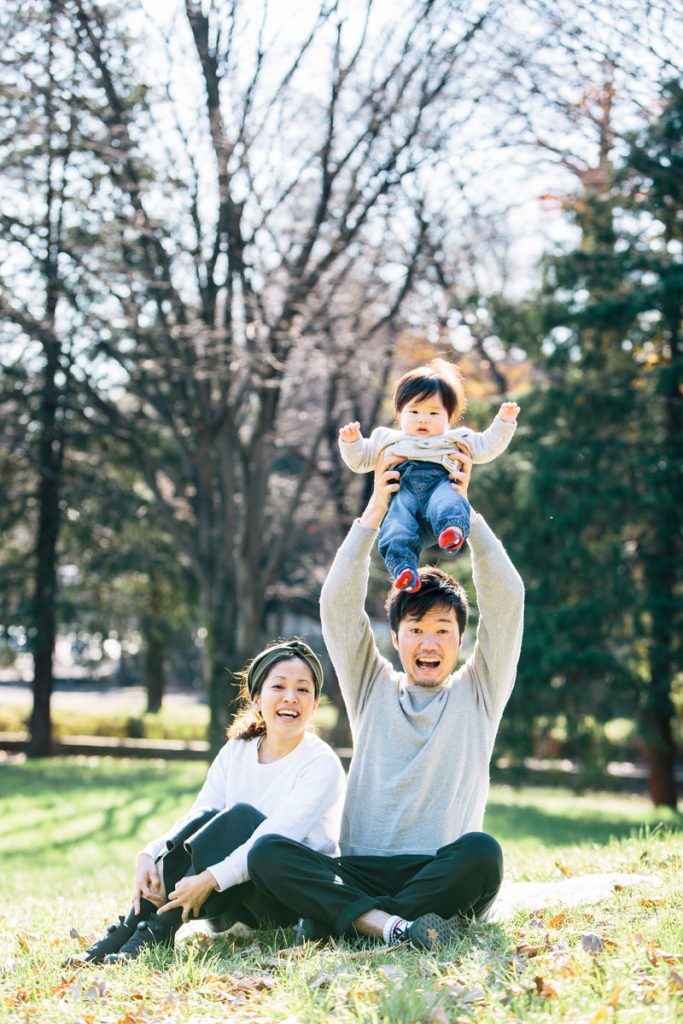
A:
438	589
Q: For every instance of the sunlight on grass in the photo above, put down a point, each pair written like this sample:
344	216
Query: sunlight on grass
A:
71	829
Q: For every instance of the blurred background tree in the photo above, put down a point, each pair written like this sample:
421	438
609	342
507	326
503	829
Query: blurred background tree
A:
225	231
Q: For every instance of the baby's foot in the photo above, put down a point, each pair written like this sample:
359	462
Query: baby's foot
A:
451	539
407	579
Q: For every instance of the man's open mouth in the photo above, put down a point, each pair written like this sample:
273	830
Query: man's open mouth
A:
427	662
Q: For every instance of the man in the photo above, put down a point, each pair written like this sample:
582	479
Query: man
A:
414	862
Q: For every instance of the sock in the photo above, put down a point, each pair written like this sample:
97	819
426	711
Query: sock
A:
395	930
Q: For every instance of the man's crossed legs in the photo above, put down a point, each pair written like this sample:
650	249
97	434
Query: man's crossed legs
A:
430	894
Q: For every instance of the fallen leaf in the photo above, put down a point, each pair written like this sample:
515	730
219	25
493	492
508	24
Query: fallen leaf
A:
97	990
543	988
19	996
531	951
439	1016
462	993
566	871
63	988
393	973
557	921
592	943
254	983
675	981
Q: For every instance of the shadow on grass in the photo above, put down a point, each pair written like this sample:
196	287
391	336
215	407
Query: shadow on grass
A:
512	823
60	805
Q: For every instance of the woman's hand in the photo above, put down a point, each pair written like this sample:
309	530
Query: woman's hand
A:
386	483
461	477
191	894
148	883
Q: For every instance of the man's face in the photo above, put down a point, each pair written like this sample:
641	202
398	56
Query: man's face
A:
428	647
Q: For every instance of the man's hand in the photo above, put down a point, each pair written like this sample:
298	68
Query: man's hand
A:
508	412
386	483
147	883
461	477
350	432
191	894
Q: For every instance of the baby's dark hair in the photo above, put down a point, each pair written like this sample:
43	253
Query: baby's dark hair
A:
437	377
437	589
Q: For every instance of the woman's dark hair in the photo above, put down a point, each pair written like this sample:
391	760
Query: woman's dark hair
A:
436	378
437	589
248	722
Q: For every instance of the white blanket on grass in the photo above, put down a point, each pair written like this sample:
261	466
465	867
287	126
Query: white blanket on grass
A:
569	892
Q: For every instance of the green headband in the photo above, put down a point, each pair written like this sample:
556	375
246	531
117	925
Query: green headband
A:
259	667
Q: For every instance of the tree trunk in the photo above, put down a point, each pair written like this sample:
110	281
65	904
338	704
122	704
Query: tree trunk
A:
660	755
155	676
45	589
50	460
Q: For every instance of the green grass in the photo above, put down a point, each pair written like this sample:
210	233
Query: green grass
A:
70	830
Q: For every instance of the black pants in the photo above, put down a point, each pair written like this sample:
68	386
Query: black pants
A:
206	839
462	878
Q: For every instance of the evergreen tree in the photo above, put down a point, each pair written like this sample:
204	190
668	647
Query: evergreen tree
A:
597	467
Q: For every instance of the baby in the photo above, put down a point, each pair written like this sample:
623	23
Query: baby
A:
427	402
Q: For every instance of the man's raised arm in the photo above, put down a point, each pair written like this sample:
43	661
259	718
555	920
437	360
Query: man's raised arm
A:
500	597
345	624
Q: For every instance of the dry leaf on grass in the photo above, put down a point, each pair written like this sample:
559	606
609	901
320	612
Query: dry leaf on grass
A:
19	997
462	993
544	988
592	943
393	973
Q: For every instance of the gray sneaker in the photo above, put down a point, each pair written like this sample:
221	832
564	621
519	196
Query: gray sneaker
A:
433	932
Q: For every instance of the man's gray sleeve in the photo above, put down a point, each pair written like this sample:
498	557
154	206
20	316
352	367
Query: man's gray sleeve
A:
500	598
345	624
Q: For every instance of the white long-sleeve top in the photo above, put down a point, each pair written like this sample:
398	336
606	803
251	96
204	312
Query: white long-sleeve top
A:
301	795
363	455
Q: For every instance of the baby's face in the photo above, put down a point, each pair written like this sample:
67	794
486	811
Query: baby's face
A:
424	417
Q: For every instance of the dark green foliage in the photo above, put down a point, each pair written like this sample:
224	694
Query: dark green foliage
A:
595	475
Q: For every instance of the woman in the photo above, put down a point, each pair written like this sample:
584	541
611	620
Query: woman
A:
272	776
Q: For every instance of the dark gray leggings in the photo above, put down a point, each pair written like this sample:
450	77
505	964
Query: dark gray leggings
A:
206	838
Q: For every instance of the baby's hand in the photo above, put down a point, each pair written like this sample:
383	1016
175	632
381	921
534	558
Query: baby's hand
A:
350	432
508	412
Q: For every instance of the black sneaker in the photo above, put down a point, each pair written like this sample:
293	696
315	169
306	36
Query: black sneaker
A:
310	930
152	932
433	932
111	942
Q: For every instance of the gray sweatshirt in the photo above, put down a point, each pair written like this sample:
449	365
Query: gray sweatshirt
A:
419	778
363	455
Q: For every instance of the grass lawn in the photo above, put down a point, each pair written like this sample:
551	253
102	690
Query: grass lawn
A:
70	830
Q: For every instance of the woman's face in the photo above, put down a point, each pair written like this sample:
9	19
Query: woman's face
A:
287	698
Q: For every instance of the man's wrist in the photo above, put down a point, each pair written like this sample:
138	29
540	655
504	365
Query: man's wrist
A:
372	517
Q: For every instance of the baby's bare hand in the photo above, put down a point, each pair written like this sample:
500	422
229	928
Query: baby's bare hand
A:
350	432
508	412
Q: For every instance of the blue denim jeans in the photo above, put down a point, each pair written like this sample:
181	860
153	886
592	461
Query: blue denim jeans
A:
425	505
